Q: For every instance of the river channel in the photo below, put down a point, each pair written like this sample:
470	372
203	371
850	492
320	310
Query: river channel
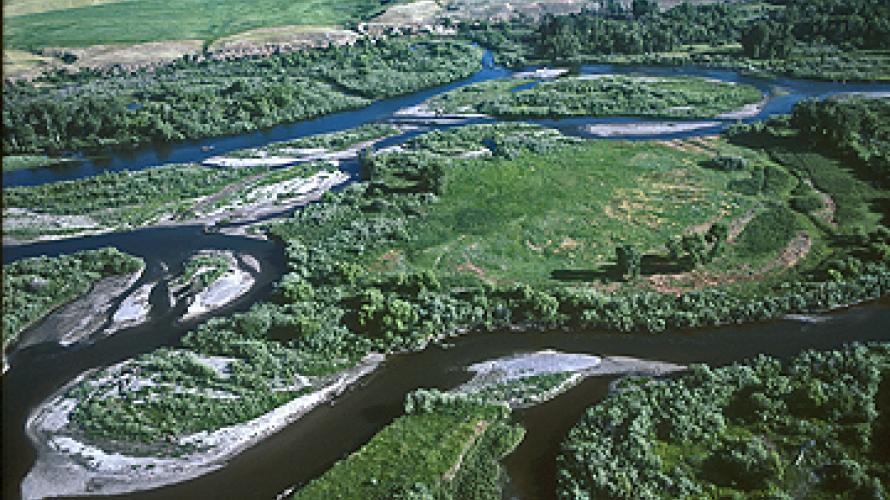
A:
308	447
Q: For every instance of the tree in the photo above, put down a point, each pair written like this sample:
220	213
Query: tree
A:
696	248
642	8
627	262
715	236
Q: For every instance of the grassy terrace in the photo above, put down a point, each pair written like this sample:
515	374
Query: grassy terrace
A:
164	20
522	219
600	95
33	287
761	429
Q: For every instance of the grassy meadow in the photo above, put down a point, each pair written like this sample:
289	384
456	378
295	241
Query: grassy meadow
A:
522	219
130	22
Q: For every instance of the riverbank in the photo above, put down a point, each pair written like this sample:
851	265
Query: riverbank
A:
67	466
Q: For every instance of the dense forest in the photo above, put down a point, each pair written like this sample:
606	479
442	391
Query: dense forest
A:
858	129
815	426
33	287
828	39
860	24
197	99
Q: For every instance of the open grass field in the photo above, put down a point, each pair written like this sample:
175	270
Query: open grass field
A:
522	219
14	8
131	22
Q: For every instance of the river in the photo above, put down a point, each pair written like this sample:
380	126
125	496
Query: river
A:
308	447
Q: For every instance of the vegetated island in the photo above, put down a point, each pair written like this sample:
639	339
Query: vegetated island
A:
248	185
817	423
33	288
467	229
211	279
600	95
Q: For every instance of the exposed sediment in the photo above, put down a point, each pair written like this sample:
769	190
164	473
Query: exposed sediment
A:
646	128
577	367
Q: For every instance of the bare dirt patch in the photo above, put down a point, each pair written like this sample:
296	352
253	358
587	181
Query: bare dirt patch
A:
468	10
413	16
23	64
126	56
468	266
265	41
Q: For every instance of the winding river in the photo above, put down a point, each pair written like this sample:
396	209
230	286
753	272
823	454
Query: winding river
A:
308	447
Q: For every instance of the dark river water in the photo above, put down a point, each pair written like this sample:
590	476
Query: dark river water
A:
308	447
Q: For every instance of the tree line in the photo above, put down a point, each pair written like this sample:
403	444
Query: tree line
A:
192	99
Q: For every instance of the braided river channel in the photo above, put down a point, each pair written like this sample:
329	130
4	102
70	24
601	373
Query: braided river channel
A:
306	448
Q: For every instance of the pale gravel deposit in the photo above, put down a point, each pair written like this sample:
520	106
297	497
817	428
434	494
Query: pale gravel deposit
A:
577	366
133	310
541	73
645	128
421	114
231	285
66	466
274	198
746	111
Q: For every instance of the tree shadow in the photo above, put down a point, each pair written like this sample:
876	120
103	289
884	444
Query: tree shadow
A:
608	273
649	265
660	264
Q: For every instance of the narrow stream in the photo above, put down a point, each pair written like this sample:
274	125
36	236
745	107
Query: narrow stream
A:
308	447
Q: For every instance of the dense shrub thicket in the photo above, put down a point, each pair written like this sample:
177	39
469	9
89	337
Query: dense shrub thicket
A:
198	99
858	129
446	446
765	428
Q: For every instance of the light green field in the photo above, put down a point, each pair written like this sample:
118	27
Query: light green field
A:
131	21
522	219
14	8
